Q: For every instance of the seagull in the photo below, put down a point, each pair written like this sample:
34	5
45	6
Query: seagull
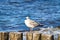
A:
31	23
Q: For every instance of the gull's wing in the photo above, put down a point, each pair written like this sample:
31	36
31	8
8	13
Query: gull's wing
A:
32	22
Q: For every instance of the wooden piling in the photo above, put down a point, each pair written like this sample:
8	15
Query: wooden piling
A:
15	36
4	35
59	37
33	36
47	37
29	36
36	36
0	35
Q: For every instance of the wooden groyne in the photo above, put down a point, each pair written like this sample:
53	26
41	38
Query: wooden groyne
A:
59	37
29	36
33	36
4	36
47	37
15	36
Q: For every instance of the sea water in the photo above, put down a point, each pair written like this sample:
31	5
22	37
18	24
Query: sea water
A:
13	13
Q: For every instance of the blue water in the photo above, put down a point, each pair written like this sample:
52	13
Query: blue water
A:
13	13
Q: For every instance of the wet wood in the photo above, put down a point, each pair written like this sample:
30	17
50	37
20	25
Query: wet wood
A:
4	35
59	37
0	35
29	36
47	37
33	36
15	36
36	36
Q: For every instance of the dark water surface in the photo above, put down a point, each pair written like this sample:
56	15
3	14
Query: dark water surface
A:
13	13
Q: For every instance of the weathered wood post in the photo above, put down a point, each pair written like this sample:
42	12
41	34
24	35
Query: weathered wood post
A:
29	36
59	37
47	37
4	35
15	36
36	36
0	35
33	36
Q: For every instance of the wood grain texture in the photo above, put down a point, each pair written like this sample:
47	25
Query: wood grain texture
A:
4	35
33	36
59	37
15	36
36	36
29	36
47	37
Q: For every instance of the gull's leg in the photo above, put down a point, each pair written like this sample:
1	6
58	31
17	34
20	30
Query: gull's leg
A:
30	29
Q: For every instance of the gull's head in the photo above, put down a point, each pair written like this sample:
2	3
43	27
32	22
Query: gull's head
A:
27	17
